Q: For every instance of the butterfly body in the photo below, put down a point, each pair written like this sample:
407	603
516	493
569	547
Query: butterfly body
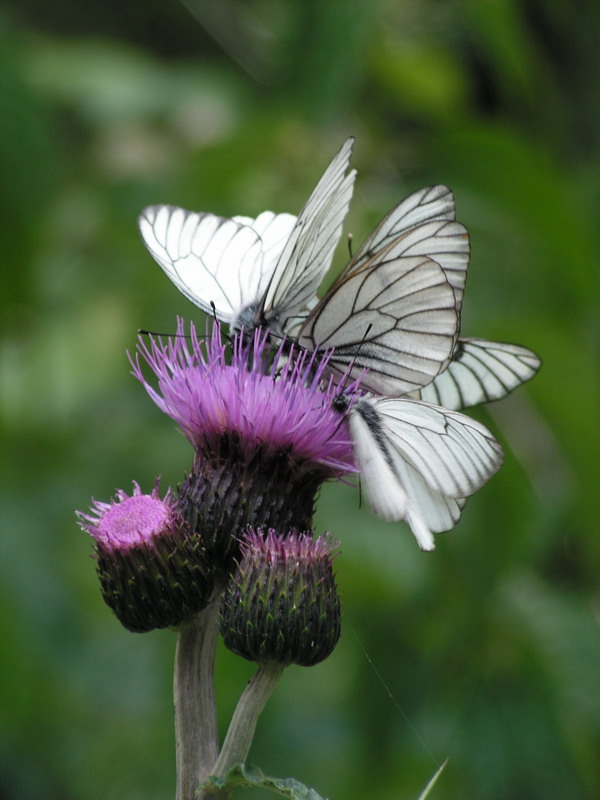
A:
247	319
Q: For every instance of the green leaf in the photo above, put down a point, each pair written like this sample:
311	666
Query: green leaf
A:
432	782
246	775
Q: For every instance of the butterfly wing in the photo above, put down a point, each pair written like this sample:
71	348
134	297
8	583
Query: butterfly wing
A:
422	225
419	462
431	204
274	231
212	259
308	251
480	371
453	453
385	494
396	319
447	243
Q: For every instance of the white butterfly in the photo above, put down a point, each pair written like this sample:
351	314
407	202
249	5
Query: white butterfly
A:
418	462
477	370
253	272
394	309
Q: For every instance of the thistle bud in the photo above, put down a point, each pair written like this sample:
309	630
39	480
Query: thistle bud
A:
281	603
153	570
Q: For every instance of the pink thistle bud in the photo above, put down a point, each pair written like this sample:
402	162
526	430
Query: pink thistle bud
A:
153	570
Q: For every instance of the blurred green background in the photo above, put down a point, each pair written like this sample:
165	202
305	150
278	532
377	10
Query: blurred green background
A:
490	646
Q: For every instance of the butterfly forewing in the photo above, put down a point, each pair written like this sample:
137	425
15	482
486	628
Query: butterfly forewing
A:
431	204
453	453
308	252
211	259
397	319
419	462
481	371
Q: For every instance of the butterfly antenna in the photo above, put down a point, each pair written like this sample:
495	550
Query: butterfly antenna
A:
340	403
353	362
144	332
227	336
350	238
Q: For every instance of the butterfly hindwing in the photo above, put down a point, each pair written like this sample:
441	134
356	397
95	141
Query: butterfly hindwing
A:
481	371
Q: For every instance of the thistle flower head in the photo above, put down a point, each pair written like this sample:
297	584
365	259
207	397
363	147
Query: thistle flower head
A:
153	570
129	520
281	603
263	427
279	403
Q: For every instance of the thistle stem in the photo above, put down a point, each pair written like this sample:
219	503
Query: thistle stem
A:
243	723
196	736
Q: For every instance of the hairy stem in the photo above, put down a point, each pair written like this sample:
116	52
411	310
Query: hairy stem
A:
243	723
196	736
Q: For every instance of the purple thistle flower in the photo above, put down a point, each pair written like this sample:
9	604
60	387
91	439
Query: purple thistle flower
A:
294	547
153	570
278	405
129	520
262	425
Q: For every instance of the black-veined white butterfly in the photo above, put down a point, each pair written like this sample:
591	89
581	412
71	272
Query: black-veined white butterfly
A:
390	311
477	370
253	272
418	462
394	310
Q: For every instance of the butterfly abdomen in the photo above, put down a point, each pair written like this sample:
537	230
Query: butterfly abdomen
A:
246	319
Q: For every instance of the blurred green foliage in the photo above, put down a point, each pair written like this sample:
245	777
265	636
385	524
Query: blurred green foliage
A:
489	647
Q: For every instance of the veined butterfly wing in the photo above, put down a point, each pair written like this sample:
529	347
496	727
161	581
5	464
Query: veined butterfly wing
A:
396	318
455	454
309	249
419	462
431	204
480	371
212	259
254	271
422	225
